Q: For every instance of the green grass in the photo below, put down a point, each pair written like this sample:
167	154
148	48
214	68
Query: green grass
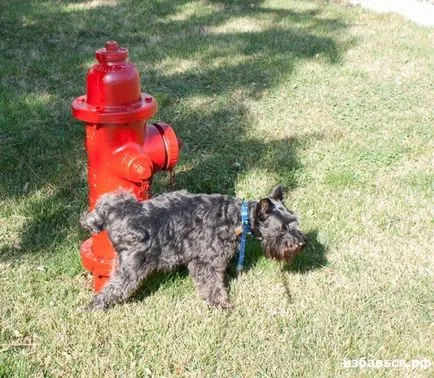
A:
334	102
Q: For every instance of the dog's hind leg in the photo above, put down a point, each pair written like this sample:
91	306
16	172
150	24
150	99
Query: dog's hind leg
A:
123	283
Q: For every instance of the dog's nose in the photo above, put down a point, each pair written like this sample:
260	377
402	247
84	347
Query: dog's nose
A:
302	243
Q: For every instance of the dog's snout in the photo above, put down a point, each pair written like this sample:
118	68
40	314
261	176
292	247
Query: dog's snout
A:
296	242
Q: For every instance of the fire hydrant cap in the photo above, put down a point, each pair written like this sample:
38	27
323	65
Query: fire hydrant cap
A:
111	53
138	168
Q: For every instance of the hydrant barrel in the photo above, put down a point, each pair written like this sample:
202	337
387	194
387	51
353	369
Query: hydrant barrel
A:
123	151
114	83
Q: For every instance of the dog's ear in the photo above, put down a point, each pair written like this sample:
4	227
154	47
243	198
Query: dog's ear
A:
263	209
277	193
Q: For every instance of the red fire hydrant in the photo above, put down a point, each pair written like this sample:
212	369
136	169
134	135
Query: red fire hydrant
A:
123	151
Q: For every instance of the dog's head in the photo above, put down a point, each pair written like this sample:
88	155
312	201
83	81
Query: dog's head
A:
277	227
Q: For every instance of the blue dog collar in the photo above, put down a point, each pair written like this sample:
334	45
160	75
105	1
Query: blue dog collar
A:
246	230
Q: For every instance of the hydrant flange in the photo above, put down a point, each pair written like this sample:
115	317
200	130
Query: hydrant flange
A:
143	109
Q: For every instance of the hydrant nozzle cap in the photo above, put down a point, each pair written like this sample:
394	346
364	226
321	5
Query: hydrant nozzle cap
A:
111	53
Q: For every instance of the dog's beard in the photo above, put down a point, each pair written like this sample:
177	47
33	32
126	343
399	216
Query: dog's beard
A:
282	249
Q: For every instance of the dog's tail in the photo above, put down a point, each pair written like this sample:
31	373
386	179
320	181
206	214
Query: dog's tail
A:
116	202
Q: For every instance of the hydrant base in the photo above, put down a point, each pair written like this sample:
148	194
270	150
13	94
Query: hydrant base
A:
100	268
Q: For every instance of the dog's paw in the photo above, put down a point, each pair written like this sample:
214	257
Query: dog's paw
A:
94	305
226	306
84	309
222	305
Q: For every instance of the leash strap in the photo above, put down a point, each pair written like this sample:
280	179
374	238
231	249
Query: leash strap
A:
246	230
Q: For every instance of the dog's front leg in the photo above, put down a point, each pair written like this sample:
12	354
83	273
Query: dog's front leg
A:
209	279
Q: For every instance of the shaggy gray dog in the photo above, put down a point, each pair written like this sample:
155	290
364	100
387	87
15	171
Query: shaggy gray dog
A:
176	229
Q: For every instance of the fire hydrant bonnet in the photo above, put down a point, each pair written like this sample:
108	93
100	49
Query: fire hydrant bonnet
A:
113	91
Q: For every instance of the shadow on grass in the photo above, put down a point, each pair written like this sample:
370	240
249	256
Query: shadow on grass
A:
159	280
197	64
313	257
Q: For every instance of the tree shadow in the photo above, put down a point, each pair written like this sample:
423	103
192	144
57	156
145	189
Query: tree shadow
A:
158	281
198	65
313	257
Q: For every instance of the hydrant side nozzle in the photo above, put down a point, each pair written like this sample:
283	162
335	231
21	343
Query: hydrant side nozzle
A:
172	144
131	164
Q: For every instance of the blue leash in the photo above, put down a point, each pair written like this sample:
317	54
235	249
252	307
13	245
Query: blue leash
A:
246	230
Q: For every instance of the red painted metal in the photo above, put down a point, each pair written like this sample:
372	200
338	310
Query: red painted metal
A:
123	150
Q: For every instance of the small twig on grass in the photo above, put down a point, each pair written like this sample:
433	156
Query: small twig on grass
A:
285	284
6	347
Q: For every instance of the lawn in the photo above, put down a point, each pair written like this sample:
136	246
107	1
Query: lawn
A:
334	102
